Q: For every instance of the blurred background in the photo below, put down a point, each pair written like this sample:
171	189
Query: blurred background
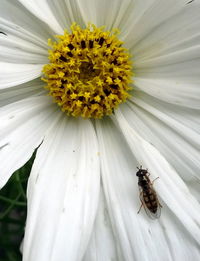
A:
13	213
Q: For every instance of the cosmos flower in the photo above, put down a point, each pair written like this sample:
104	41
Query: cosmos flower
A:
140	106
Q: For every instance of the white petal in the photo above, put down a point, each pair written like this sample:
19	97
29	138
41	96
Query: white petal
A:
20	92
166	60
16	37
180	91
14	55
147	17
22	27
135	10
173	58
104	13
173	131
44	10
185	121
63	193
173	77
170	186
14	74
102	246
18	46
182	245
23	126
194	188
155	238
67	12
120	185
175	27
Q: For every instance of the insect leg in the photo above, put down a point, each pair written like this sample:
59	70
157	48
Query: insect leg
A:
140	208
139	167
141	202
154	180
152	184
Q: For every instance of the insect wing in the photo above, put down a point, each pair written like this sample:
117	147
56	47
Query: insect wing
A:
148	212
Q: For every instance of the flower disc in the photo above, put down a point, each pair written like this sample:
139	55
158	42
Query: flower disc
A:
89	72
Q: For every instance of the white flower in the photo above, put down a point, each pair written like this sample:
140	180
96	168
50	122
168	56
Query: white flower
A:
82	194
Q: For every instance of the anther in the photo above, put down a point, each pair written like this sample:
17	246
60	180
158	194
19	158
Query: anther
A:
83	45
71	47
91	43
62	58
70	54
101	41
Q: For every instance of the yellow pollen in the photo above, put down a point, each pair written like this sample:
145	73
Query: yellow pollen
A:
89	72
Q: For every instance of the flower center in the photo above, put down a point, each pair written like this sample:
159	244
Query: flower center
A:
89	72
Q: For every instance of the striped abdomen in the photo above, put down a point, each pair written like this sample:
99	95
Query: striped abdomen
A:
150	200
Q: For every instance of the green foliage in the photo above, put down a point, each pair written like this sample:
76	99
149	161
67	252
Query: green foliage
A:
13	213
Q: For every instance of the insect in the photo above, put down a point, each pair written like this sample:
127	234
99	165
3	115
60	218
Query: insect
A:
148	196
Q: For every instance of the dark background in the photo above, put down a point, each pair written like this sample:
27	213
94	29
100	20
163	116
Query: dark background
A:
13	213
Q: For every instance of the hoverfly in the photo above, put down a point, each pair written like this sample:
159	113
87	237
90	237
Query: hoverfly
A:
148	196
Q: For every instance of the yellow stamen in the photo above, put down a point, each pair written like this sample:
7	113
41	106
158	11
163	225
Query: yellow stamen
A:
89	72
